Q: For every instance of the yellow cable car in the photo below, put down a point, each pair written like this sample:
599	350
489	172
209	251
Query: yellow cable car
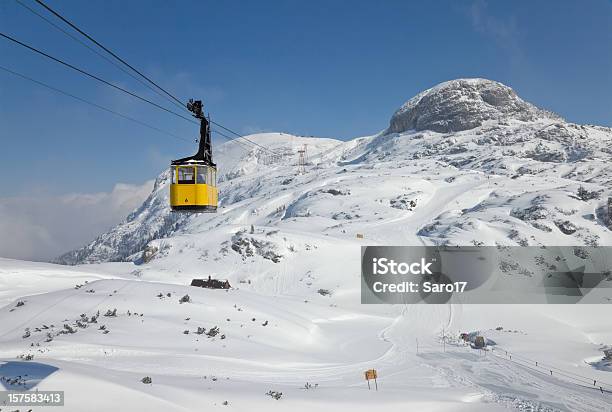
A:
193	187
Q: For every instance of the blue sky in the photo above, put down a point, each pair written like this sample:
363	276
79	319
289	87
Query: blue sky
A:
324	68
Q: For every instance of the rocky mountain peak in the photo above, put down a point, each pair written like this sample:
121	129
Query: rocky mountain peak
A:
462	104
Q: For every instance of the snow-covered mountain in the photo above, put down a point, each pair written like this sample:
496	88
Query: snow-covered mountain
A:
464	162
463	104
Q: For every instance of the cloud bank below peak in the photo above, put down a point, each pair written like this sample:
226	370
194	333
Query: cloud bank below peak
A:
40	228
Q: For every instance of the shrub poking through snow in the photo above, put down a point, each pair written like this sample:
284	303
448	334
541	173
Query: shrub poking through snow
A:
248	247
337	192
111	313
213	332
586	195
147	380
566	227
274	394
324	292
149	253
20	303
185	299
401	202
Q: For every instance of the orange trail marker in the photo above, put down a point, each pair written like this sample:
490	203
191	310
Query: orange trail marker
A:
371	374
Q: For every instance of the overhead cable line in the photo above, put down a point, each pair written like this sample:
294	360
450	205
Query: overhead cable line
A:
122	89
231	139
171	96
107	50
106	109
241	136
117	65
95	77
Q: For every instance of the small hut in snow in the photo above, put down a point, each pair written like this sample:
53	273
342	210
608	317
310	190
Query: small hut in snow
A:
211	283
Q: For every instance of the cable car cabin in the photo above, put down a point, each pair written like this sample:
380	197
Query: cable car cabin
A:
193	187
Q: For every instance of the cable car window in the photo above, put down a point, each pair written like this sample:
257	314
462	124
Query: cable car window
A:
173	174
186	175
202	175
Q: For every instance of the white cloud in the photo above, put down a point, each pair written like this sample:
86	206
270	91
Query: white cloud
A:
41	228
504	30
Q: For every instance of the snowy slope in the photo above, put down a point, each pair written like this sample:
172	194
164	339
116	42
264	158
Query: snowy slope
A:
280	342
516	177
466	162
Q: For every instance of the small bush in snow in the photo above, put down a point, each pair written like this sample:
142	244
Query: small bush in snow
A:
111	313
213	332
581	253
586	195
149	253
566	227
324	292
541	227
274	394
68	329
20	303
146	380
185	299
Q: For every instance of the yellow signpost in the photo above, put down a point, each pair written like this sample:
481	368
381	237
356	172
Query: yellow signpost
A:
371	374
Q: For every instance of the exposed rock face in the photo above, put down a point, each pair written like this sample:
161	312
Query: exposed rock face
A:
462	104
